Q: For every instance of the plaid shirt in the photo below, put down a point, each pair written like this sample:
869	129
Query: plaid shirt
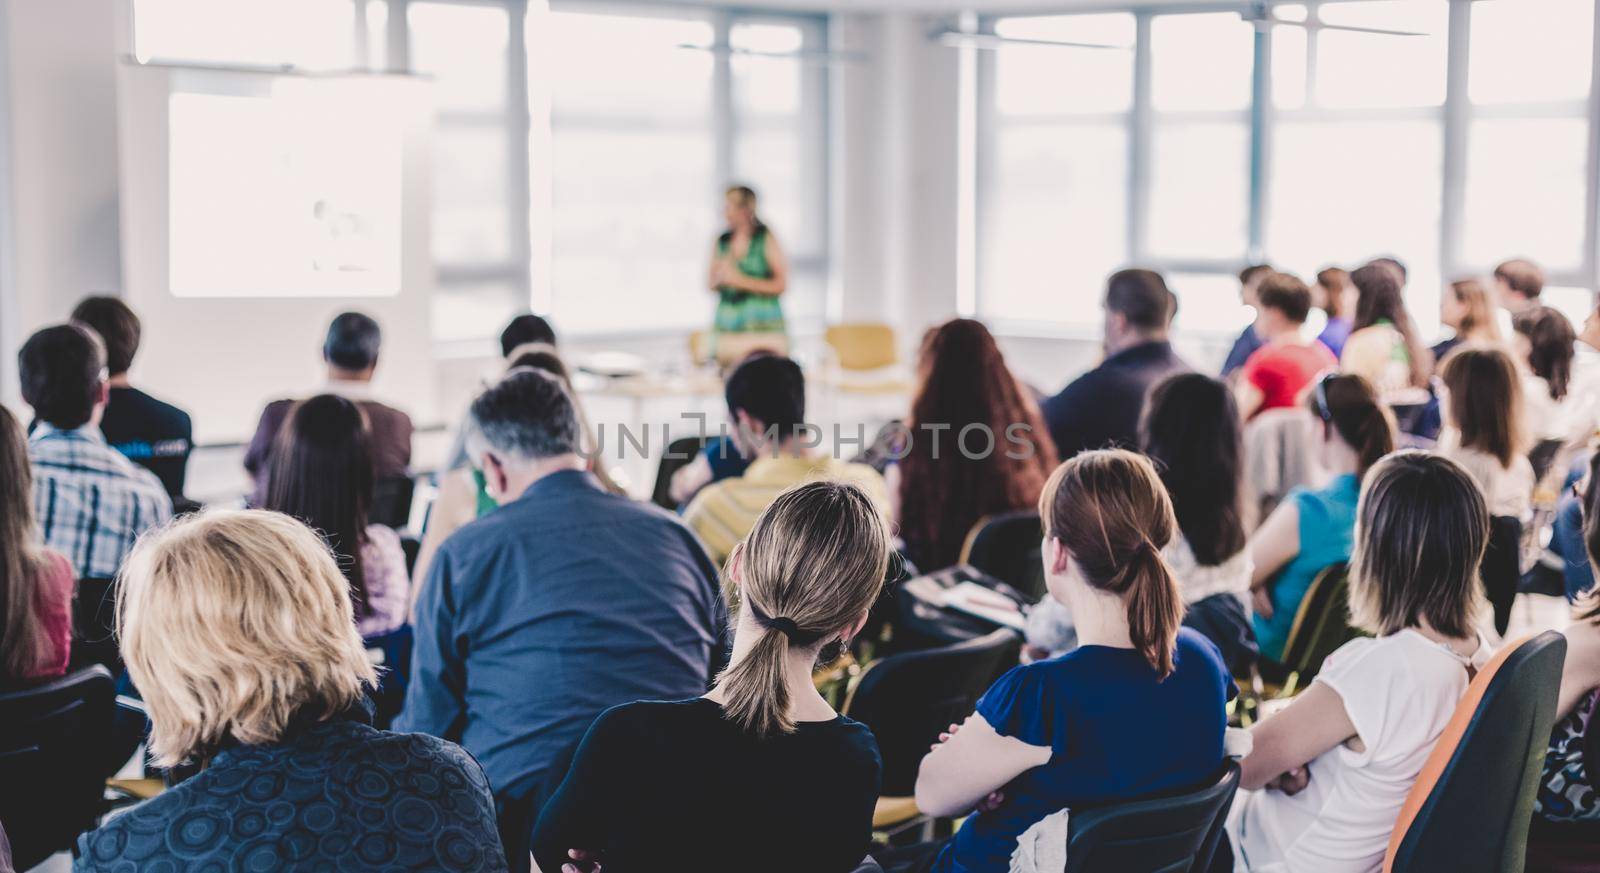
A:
92	502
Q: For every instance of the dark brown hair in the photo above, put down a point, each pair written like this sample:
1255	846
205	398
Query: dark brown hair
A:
1485	401
1248	274
1350	405
1113	516
1550	339
62	368
1379	300
1142	297
947	481
1522	276
1191	430
322	474
1333	281
23	644
117	326
1287	294
1421	529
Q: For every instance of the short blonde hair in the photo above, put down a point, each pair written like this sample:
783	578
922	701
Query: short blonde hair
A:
232	623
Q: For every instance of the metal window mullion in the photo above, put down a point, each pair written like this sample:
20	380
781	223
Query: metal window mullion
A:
1260	144
985	153
1591	228
1140	128
519	179
397	34
1457	118
723	124
361	50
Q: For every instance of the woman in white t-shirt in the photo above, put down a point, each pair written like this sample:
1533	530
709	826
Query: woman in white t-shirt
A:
1328	776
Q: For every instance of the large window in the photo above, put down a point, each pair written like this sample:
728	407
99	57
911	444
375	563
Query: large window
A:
580	152
1465	142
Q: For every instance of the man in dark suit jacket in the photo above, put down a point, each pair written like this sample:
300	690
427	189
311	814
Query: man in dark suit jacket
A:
1101	408
351	352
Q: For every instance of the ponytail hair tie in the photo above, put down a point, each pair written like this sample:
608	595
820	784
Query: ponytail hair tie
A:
785	626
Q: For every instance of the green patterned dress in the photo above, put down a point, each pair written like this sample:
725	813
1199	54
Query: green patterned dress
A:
741	311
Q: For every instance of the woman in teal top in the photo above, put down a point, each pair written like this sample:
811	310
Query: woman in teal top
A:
1313	529
749	271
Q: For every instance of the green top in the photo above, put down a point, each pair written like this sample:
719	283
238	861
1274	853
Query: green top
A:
486	503
741	311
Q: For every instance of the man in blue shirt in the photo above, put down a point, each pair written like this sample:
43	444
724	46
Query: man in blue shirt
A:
1101	408
1250	339
563	602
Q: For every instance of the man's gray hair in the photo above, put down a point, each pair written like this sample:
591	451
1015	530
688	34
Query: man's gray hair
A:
528	415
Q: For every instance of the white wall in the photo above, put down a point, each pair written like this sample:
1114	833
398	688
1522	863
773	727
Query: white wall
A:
59	236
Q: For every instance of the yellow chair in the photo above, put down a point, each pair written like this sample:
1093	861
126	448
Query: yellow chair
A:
862	346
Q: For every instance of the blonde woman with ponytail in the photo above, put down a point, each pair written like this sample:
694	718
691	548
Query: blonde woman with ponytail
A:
1137	709
760	773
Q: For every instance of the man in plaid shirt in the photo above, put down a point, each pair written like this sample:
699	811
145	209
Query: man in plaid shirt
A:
91	502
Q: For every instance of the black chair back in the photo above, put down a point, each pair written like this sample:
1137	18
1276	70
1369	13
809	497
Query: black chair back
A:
52	779
1174	834
391	652
391	501
94	626
1006	546
1475	818
1502	568
907	699
680	452
1322	623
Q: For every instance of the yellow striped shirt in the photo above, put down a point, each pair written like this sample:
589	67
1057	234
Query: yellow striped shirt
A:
723	513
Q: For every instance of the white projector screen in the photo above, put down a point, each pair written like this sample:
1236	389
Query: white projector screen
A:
283	187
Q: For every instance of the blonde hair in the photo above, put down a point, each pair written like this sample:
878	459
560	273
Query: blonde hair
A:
233	623
813	564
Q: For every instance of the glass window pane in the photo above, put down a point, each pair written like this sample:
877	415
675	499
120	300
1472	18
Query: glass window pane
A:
378	34
1374	70
769	158
595	64
470	219
1047	80
474	310
1531	50
1208	303
464	48
1577	304
310	34
1289	66
1199	204
1344	192
766	85
1201	61
1059	198
1525	190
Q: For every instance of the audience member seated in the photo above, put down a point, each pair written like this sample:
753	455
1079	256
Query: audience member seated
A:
1383	347
321	473
1312	528
564	602
1277	374
1517	286
155	435
238	630
351	353
1137	709
1544	343
91	502
464	492
1191	431
525	329
1101	408
950	478
1336	297
1568	789
767	401
721	458
1250	339
1485	434
1466	309
760	772
1328	775
36	584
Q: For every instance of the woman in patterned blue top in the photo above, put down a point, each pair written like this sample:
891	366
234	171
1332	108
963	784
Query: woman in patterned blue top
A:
237	627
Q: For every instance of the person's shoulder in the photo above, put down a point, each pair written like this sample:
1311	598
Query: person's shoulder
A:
154	407
391	416
419	751
1196	649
